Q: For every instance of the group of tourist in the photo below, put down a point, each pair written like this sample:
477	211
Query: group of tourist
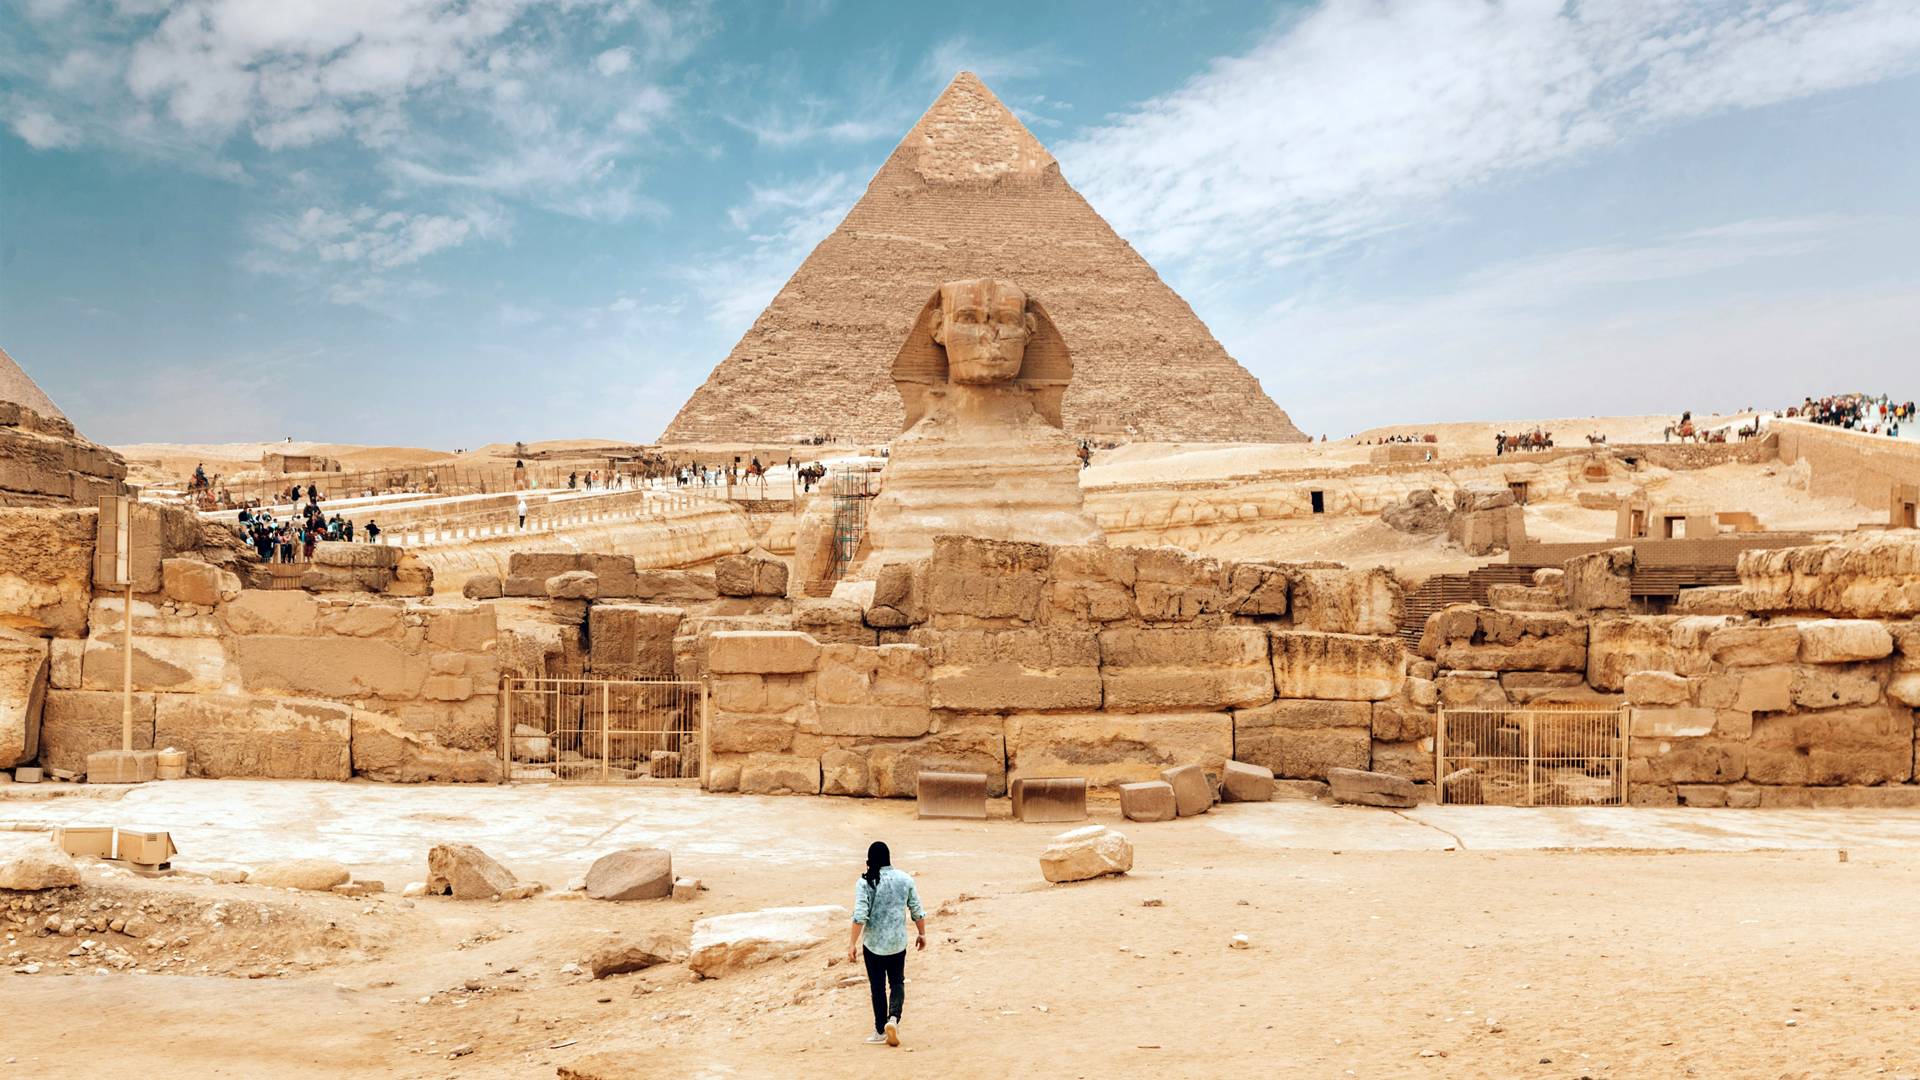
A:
1856	412
1385	439
293	540
605	480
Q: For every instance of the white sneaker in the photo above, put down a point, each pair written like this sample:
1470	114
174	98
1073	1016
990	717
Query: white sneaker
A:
893	1031
876	1038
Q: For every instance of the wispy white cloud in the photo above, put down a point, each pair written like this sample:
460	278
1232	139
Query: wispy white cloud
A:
1350	118
42	132
779	225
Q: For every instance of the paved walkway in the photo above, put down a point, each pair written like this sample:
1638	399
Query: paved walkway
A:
555	830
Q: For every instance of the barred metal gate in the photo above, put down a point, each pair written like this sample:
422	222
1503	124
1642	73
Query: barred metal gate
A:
1544	755
602	730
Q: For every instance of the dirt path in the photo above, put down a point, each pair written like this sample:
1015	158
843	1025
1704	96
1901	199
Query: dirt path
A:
1620	964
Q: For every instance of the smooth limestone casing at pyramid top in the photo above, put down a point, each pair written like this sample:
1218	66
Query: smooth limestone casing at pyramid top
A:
971	193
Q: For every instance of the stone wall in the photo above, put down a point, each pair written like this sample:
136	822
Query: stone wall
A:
45	462
1853	464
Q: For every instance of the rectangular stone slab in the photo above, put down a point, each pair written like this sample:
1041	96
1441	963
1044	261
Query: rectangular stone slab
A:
121	766
1149	801
1371	788
1054	798
1191	792
952	795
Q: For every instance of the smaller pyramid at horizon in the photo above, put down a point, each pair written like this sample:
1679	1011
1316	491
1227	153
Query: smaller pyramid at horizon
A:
970	193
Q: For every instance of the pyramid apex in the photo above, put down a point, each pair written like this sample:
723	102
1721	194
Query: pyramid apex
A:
967	136
18	388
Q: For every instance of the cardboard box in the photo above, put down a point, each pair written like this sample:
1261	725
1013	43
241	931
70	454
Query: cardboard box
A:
94	840
148	847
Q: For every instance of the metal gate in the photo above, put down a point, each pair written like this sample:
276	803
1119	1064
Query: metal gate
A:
601	731
1545	755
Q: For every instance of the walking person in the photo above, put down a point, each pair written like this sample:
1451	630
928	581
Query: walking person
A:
523	513
883	899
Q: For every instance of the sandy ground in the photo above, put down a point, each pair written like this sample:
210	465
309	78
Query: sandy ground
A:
1617	943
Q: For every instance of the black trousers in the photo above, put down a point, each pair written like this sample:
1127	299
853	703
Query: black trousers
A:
882	970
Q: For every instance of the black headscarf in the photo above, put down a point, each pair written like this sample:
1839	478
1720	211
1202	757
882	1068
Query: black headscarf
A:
878	857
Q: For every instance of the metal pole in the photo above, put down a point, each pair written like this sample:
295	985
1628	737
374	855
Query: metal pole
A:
703	734
126	696
1440	757
1530	753
605	720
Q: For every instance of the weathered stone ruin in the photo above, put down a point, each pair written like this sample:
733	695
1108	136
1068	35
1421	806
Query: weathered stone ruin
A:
970	193
43	460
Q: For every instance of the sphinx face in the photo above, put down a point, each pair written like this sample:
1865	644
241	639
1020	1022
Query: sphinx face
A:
985	326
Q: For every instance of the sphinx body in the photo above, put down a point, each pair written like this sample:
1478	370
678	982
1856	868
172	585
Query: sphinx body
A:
981	376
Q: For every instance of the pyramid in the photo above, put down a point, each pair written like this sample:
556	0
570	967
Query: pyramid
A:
17	388
971	193
43	460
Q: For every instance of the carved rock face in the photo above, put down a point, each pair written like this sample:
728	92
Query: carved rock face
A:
984	326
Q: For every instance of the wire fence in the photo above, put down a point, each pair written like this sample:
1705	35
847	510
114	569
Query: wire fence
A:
1547	755
602	730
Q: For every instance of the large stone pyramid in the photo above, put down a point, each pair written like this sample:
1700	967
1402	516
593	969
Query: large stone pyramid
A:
43	460
971	193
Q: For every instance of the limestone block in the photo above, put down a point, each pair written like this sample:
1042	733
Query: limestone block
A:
1115	748
832	622
1365	788
466	873
1865	745
121	766
280	612
745	733
1299	739
468	628
1149	800
1027	669
1084	854
1348	601
1710	600
676	587
617	578
181	665
46	576
313	875
38	865
632	641
779	774
1337	666
331	579
482	587
1600	581
868	721
359	556
1667	723
844	772
1656	688
1407	760
364	620
1255	589
387	749
1399	719
899	595
749	575
574	585
986	579
328	667
871	692
23	688
1753	646
1764	690
1421	690
1245	782
727	944
1686	761
951	795
1523	687
190	581
633	874
78	723
524	586
64	656
1481	639
1050	799
237	735
569	612
1863	575
770	577
1158	670
1831	686
1523	598
1472	690
1192	794
1904	689
625	954
1840	641
1618	647
761	652
967	744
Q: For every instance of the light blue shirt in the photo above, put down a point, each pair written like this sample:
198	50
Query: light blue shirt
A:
883	910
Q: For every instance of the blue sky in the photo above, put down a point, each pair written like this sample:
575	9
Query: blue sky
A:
428	223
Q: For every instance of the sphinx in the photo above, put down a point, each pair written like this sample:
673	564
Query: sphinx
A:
981	377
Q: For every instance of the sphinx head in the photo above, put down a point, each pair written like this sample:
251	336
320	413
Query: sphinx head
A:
984	325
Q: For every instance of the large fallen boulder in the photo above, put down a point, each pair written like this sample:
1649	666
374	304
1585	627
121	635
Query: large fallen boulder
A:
729	943
38	866
1092	852
466	872
1372	788
314	875
621	955
635	874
